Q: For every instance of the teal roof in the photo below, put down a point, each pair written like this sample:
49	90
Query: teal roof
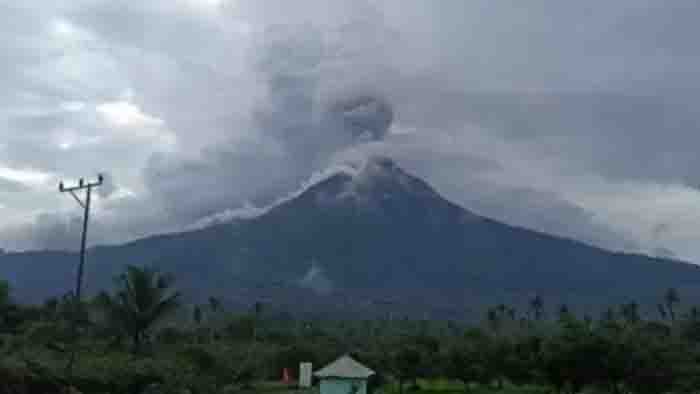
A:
345	367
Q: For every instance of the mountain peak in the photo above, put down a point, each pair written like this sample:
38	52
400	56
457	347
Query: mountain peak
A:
380	162
380	167
375	179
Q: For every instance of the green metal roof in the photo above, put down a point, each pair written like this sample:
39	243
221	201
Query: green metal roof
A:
345	367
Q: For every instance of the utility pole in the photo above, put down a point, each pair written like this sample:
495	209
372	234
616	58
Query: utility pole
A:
86	214
82	185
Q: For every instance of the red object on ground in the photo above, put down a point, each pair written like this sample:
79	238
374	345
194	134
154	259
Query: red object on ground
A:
286	376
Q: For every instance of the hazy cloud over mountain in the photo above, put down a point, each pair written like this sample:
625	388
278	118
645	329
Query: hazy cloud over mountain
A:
576	118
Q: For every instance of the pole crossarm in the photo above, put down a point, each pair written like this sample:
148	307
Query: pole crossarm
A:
85	186
81	185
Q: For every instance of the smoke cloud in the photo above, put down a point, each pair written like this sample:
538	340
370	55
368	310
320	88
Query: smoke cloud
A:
568	118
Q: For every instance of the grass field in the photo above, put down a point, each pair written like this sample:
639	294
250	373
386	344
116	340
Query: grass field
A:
439	386
444	386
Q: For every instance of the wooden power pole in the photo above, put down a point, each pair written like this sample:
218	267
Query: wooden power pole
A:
82	185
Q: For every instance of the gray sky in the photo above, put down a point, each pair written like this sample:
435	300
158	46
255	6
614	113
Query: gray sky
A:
574	118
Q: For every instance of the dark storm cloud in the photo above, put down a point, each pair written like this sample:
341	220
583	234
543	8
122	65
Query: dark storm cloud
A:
606	133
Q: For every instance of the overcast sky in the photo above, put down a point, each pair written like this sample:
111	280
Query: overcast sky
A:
575	118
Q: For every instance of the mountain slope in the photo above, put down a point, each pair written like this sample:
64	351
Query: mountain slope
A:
369	240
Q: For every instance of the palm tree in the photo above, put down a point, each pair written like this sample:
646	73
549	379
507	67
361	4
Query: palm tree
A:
694	313
214	307
630	312
523	322
197	315
4	294
4	300
258	308
257	311
662	311
143	296
511	313
493	319
608	315
502	308
671	297
564	313
537	306
214	304
50	308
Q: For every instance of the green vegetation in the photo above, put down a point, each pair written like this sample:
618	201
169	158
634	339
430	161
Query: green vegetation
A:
143	297
139	338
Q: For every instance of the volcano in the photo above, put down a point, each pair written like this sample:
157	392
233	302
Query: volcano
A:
369	239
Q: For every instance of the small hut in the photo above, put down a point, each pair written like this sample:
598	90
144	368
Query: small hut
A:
344	376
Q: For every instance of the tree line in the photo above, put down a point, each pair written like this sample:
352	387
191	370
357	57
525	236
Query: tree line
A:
141	336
